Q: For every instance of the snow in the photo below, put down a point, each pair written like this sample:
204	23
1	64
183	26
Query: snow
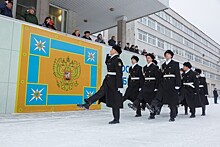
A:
91	129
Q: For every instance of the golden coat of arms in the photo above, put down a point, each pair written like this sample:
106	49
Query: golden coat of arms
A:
66	72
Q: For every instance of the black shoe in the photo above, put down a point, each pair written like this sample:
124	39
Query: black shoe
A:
186	113
151	117
149	108
114	122
203	114
172	120
132	106
138	115
85	106
192	116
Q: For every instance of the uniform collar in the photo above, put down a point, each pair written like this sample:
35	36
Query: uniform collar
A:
187	71
167	62
149	64
113	55
134	65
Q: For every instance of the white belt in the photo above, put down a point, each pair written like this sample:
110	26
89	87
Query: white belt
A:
169	76
189	84
201	86
112	73
135	78
150	78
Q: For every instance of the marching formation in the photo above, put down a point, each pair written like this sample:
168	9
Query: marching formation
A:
151	87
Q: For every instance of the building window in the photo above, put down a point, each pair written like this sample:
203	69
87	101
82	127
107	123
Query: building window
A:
59	17
205	62
151	23
160	43
167	32
22	6
160	28
167	46
198	59
151	39
177	37
188	43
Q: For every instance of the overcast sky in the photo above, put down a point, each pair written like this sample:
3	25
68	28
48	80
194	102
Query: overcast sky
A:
204	14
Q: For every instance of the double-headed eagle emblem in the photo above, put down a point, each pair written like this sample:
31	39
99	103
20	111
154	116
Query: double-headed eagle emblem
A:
66	72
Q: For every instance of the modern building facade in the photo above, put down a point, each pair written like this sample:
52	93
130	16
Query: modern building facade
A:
168	30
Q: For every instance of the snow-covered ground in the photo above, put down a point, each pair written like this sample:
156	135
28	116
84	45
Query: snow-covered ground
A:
91	129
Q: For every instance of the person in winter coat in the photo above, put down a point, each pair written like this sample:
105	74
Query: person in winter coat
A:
48	23
100	39
112	87
30	16
135	83
6	8
112	41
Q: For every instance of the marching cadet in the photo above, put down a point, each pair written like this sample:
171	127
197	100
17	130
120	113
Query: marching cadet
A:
203	90
190	88
182	100
150	87
111	90
135	82
168	87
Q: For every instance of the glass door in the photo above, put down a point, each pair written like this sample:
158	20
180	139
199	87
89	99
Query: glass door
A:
59	17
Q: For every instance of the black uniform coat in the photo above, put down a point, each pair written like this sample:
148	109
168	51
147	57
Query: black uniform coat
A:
111	83
215	93
203	90
167	92
191	94
134	85
148	92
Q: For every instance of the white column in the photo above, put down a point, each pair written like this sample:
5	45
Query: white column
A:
14	8
121	34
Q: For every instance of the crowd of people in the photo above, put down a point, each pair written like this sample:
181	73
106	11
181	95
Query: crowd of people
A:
30	16
150	87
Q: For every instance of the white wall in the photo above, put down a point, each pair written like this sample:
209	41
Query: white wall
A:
9	54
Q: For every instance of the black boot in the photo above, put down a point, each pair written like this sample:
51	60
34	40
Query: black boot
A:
152	116
138	115
114	122
85	106
203	111
192	116
172	120
186	110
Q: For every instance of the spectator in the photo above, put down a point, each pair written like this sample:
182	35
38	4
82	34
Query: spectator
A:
112	41
100	39
48	23
87	35
76	33
136	50
132	49
127	46
144	52
6	8
29	16
215	93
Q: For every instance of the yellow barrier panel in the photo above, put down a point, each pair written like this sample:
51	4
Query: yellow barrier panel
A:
56	72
